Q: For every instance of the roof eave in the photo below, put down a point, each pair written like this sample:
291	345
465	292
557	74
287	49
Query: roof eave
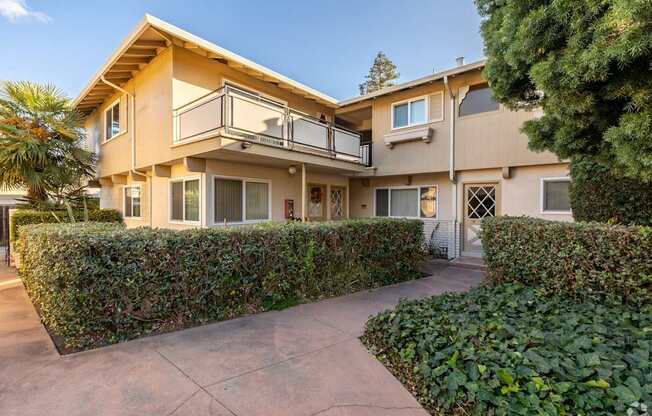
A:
415	83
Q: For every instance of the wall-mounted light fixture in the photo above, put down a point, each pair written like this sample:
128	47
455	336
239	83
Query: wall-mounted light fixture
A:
245	145
292	170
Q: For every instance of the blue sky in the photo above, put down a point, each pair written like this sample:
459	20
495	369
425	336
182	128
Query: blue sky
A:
328	45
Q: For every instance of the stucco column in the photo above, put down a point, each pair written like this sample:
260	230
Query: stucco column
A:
304	203
347	203
328	201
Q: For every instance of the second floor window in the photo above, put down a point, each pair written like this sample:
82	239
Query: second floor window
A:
478	100
409	113
112	120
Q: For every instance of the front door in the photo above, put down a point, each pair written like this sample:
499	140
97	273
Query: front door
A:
316	202
480	201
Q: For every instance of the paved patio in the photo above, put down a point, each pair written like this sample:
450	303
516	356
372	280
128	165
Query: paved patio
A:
305	360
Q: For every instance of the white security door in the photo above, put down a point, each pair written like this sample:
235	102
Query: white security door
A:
481	201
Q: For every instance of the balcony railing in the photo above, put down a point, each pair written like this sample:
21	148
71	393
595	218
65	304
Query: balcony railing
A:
250	117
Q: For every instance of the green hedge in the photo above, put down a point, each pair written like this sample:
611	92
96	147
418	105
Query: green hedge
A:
97	284
513	350
597	195
581	259
26	216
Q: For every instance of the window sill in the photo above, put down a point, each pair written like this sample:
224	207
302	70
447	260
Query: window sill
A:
248	222
133	218
117	136
180	222
557	212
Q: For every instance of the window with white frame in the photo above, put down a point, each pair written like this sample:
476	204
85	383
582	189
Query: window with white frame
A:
131	199
555	196
184	200
409	113
112	121
407	201
237	200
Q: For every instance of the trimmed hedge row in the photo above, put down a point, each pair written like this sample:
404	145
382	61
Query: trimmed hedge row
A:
581	259
513	350
27	216
99	283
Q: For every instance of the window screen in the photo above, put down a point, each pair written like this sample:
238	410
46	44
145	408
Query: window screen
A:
404	203
418	112
556	196
478	100
177	201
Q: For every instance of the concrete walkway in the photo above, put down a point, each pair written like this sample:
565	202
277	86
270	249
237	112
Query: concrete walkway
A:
305	360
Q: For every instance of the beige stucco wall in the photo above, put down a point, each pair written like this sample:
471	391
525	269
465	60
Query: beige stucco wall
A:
481	141
175	77
282	186
362	192
518	195
521	193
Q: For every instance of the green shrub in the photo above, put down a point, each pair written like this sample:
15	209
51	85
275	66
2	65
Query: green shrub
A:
26	216
511	350
96	284
581	259
597	195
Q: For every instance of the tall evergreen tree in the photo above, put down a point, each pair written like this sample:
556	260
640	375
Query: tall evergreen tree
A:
588	64
381	75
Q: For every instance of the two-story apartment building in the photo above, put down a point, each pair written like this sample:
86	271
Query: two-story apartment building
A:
192	135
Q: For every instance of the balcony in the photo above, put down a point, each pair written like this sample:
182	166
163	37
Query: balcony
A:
245	116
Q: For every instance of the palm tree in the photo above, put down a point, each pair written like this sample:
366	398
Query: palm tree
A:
41	138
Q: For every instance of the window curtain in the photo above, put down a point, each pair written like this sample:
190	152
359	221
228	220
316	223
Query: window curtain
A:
556	196
382	202
404	203
228	200
257	201
177	201
128	211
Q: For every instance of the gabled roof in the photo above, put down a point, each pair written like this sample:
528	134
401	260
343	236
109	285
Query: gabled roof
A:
152	35
149	38
415	83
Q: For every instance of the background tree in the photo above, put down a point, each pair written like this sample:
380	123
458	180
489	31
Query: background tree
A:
588	64
41	139
381	75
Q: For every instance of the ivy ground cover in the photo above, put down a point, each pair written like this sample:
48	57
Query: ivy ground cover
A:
510	350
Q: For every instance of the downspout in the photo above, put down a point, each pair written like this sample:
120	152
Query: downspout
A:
132	136
451	161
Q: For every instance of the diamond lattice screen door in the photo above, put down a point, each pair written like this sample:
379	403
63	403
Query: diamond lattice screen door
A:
480	201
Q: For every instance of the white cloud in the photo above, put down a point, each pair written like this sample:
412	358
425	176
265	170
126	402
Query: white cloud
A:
16	11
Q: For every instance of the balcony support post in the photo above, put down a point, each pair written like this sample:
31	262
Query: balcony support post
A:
304	185
328	202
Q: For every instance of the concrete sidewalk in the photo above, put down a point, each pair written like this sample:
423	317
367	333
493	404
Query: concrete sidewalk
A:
305	360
